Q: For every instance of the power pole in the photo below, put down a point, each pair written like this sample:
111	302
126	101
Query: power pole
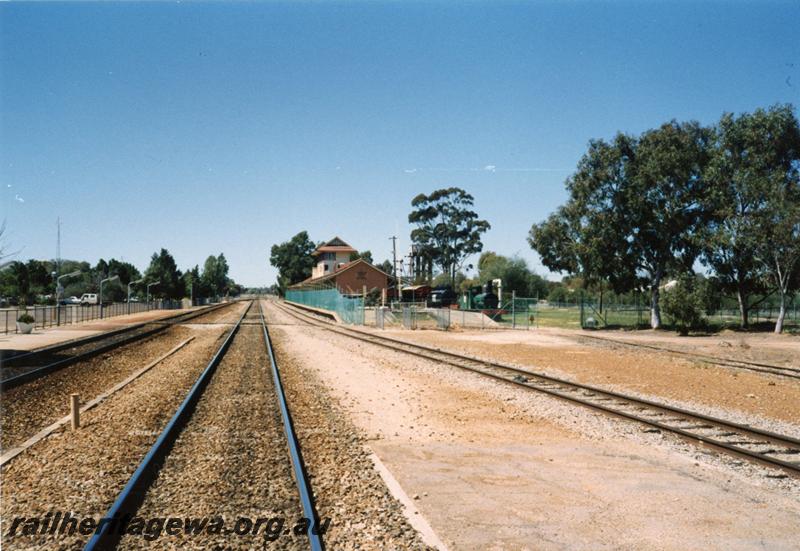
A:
393	239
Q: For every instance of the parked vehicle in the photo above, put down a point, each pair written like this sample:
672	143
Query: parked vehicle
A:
442	296
88	299
70	300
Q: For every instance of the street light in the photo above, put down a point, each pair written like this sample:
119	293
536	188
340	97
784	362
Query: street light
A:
148	291
112	278
60	291
129	292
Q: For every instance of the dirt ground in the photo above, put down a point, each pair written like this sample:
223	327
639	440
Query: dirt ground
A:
783	350
677	379
495	467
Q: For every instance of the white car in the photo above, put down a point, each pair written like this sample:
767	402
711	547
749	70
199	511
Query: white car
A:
72	300
89	298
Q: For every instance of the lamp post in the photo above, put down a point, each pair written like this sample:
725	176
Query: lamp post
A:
60	291
129	292
148	291
112	278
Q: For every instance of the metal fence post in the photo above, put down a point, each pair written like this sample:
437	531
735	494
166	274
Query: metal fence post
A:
513	310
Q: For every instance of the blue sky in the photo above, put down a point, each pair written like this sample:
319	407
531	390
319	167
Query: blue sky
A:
207	128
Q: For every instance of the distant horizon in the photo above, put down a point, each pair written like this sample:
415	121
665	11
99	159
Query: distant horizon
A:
205	127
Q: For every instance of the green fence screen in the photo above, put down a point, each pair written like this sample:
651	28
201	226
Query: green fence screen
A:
349	308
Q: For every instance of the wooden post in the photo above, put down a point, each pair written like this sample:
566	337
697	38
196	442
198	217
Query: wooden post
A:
75	410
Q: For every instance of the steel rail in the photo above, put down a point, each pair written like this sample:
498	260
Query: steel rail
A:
36	373
300	474
684	416
133	493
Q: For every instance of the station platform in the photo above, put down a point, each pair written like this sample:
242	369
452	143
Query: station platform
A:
41	338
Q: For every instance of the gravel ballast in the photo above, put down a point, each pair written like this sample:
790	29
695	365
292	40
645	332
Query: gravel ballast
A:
230	461
82	471
28	408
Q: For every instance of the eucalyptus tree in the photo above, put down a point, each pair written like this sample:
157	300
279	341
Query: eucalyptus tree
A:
447	230
586	236
164	269
634	210
293	260
754	155
215	275
779	246
668	203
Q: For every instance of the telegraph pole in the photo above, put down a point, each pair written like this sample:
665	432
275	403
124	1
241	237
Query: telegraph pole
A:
393	239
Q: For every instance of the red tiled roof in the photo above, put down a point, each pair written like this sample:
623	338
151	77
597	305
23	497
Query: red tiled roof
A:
336	272
335	245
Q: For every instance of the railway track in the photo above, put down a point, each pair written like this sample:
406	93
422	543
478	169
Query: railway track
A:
753	444
197	403
22	368
789	372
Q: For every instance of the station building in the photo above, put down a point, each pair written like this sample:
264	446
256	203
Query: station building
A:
334	268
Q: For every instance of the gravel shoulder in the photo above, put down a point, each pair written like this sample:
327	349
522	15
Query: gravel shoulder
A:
494	466
83	471
347	488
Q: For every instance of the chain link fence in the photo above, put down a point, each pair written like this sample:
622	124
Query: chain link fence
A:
514	313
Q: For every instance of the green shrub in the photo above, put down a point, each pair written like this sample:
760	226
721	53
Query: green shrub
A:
684	304
25	318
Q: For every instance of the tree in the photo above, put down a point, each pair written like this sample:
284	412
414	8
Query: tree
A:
514	273
293	260
19	284
193	285
443	280
215	275
4	251
779	249
634	210
683	304
751	153
386	266
126	271
448	230
366	255
78	285
163	268
40	279
586	236
667	202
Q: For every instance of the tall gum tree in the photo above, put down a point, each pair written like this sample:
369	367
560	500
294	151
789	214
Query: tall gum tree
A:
634	208
666	203
293	260
447	229
753	156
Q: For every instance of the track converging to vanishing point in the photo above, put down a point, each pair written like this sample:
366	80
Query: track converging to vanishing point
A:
236	419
